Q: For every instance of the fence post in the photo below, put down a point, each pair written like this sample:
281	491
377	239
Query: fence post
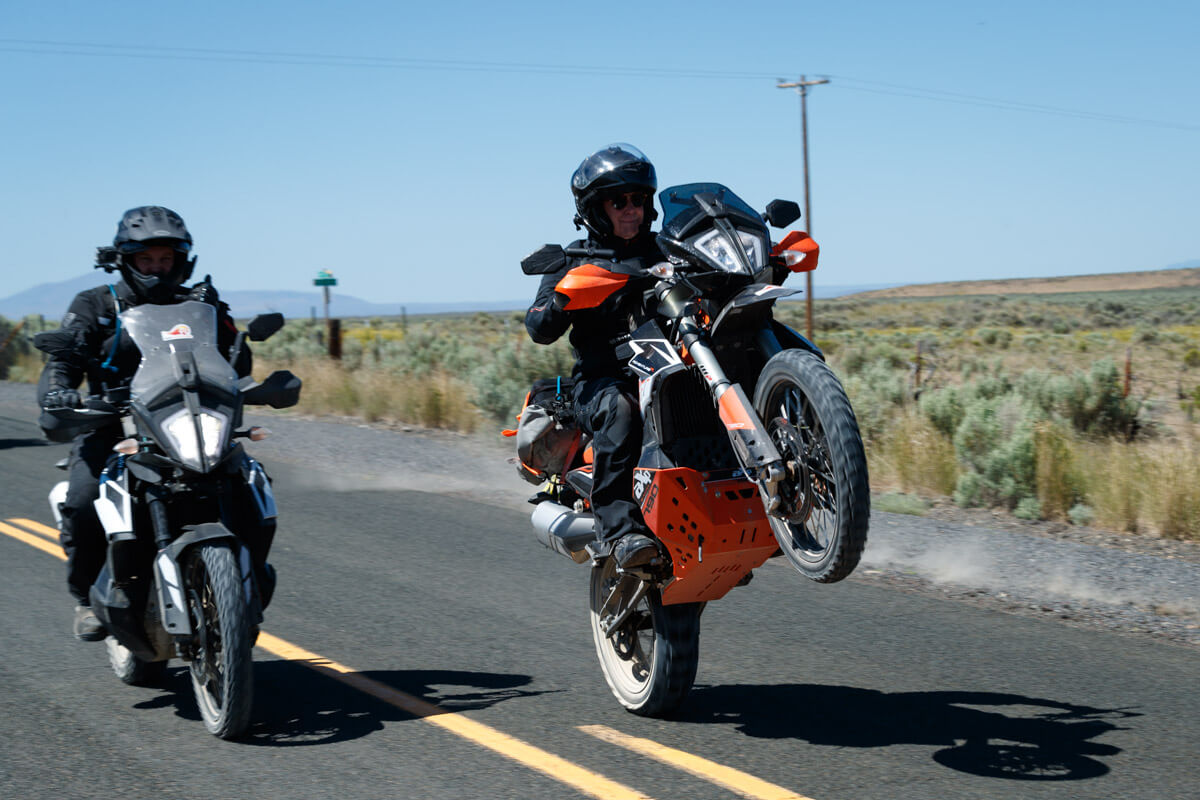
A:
335	339
1128	371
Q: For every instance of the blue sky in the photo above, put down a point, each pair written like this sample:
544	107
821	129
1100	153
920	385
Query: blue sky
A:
406	148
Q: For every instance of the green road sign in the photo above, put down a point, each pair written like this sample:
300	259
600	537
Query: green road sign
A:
325	278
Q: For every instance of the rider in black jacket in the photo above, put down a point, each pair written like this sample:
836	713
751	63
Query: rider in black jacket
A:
614	196
152	253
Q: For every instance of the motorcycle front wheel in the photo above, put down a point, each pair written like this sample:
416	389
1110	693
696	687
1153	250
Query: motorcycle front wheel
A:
650	660
222	669
131	669
826	499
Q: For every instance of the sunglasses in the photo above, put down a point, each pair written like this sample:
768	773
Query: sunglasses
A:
620	200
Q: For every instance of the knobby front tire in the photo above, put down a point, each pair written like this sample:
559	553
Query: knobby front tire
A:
827	493
222	671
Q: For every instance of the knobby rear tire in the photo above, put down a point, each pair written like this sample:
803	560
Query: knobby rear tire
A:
655	671
131	669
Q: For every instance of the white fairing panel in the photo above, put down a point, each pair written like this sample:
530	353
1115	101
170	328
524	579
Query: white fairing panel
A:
115	508
170	594
260	487
58	496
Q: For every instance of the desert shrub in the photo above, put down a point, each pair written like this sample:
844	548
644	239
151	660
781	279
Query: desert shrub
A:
1090	402
1081	514
994	441
501	383
1028	508
1191	359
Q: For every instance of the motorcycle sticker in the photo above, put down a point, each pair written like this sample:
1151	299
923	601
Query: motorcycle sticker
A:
641	479
180	331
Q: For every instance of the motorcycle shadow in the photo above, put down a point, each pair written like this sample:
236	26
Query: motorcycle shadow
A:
7	444
295	706
1031	739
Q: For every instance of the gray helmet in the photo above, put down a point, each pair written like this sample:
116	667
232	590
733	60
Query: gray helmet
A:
612	170
147	226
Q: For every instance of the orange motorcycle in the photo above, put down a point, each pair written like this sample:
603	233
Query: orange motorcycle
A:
724	482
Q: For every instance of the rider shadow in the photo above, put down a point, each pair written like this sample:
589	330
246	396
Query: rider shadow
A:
296	706
1030	739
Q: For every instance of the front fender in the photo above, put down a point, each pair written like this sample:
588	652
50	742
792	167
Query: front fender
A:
168	576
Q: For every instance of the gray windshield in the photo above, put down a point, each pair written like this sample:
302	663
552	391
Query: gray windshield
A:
176	341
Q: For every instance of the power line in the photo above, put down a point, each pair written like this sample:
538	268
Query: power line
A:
1006	105
285	58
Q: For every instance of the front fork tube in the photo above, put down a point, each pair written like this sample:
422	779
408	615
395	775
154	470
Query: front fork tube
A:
755	451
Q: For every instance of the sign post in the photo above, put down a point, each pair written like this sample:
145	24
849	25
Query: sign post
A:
325	279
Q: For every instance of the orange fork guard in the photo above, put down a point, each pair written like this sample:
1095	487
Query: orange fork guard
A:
589	285
799	242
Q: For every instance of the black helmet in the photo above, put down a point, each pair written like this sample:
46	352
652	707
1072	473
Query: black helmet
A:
144	227
615	169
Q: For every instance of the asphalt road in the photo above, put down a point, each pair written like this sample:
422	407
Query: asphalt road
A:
392	600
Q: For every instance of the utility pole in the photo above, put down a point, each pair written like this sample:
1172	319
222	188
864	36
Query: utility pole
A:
801	87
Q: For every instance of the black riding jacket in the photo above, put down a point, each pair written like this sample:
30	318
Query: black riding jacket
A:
595	332
93	317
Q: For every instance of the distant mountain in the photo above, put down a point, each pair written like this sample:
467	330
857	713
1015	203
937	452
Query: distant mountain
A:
51	301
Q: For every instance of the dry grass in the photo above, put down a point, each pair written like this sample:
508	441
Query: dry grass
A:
437	401
914	457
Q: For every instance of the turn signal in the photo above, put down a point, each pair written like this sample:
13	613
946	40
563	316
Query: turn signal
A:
663	270
257	434
126	447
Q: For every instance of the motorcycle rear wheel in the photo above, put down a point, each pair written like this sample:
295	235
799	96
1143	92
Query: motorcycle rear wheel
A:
650	663
222	670
131	669
826	493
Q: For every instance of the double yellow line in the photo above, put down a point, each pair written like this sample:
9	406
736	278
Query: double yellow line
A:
593	784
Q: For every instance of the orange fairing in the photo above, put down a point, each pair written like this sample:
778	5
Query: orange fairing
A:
715	531
799	250
588	285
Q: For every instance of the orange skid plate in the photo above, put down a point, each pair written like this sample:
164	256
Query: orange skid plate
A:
715	530
588	285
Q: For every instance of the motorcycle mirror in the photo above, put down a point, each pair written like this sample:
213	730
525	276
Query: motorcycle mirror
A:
546	261
281	389
781	213
264	326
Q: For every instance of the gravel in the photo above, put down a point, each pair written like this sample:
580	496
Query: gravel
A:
1136	585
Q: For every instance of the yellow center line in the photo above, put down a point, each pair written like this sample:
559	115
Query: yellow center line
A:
587	782
36	527
560	769
735	780
34	541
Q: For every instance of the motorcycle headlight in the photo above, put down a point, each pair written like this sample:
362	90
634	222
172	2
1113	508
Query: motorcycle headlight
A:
182	432
716	245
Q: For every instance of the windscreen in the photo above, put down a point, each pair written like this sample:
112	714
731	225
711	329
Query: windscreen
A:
681	205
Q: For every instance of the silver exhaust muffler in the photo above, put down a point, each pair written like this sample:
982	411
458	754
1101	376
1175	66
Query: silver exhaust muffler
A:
563	530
